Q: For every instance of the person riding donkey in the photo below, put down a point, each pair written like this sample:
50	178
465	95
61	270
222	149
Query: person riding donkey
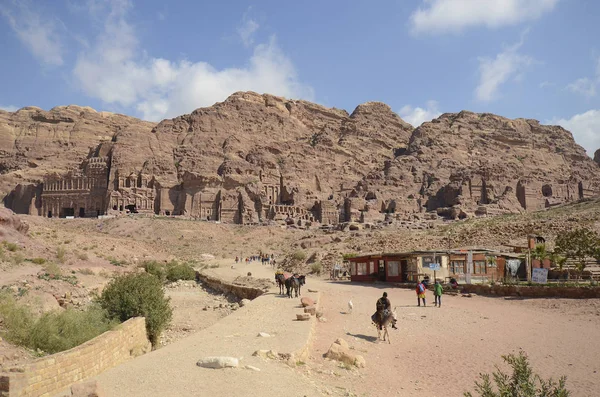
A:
383	310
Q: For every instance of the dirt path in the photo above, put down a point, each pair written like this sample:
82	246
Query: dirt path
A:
440	352
172	370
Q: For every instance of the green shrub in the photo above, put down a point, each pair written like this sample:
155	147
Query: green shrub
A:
523	382
180	271
138	295
349	255
17	320
12	247
316	268
38	261
52	269
54	331
299	256
156	269
58	331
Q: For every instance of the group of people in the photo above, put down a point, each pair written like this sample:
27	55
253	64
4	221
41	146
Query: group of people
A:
438	291
264	258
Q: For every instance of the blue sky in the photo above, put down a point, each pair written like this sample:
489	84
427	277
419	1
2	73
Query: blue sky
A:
155	59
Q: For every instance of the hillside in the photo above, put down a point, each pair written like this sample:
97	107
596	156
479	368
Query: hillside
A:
258	158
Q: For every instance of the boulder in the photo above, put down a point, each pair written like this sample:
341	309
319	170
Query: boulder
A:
340	351
244	302
263	335
218	362
310	310
87	389
306	301
303	317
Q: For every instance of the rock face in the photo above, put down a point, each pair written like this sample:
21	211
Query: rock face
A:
468	163
260	158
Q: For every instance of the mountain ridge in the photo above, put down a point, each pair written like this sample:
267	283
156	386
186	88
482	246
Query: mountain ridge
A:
240	159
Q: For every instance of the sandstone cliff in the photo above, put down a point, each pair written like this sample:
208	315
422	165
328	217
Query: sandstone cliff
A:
257	157
483	162
34	142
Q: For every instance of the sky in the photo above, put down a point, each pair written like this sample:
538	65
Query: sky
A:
152	59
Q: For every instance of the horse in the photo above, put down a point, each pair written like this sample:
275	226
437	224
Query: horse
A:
280	279
388	318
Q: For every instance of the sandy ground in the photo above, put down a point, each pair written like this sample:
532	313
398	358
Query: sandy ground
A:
438	352
441	351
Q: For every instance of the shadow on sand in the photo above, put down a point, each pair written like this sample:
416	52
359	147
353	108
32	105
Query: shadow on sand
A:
368	338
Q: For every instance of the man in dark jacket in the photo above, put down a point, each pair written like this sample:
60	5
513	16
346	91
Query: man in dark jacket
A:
383	305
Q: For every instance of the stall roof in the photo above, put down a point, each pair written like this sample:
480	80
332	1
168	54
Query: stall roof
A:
457	251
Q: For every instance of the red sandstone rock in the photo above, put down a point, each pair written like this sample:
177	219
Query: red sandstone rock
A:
256	158
310	310
306	301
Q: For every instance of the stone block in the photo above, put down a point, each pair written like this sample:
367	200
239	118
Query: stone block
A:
310	310
306	301
218	362
303	317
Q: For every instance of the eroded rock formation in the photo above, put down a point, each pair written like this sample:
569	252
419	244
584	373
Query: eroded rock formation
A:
255	158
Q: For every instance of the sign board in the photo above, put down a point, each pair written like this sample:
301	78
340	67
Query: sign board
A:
539	276
434	266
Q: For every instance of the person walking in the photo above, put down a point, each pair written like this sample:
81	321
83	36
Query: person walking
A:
437	293
421	293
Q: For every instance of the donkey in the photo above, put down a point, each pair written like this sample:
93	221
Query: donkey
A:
294	283
280	279
389	318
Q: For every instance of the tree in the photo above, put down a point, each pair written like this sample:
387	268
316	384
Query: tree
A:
558	260
523	382
579	245
539	252
138	295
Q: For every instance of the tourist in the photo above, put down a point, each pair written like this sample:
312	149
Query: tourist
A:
437	293
453	283
421	288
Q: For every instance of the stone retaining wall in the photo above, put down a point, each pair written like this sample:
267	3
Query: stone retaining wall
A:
529	291
533	291
52	374
226	288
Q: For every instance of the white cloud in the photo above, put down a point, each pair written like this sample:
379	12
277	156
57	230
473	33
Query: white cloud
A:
545	84
37	32
585	128
116	71
9	108
496	71
247	29
417	116
440	16
586	86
